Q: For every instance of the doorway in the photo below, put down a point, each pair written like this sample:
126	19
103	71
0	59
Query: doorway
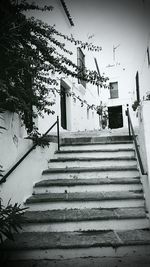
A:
63	108
115	117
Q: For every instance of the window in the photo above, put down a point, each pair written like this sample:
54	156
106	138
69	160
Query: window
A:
81	65
114	90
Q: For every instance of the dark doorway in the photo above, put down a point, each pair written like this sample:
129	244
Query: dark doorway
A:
115	117
63	108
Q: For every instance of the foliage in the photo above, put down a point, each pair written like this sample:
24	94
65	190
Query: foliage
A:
28	54
104	121
135	105
76	97
38	139
100	110
103	113
148	95
1	171
1	128
1	118
11	218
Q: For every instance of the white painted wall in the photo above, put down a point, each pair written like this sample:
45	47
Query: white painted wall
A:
76	115
19	184
141	58
12	142
13	146
144	70
144	146
143	111
106	24
109	23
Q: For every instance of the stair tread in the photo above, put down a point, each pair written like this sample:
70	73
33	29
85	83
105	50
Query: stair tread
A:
97	137
92	159
134	260
95	150
85	196
89	169
87	181
85	239
91	143
39	240
83	214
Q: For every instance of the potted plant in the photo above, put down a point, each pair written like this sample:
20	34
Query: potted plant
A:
135	105
103	114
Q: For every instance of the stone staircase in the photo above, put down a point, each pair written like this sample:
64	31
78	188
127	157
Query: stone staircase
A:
88	209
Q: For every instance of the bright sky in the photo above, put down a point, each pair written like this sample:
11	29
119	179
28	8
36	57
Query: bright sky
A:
111	22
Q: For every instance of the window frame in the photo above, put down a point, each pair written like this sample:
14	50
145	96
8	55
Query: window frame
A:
116	91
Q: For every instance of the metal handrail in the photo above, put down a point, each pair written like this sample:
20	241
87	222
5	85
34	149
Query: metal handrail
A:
132	134
3	180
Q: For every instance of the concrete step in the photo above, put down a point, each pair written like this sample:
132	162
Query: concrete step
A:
89	205
71	245
136	260
91	172
81	200
86	185
96	162
99	153
84	196
86	219
97	146
96	139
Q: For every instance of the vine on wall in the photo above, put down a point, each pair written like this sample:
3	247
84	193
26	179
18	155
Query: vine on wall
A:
28	53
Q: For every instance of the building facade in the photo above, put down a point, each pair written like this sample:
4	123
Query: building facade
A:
119	28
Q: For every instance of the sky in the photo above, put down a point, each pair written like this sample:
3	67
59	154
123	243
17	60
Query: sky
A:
124	24
116	22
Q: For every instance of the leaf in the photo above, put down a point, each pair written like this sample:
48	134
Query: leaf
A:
30	49
11	219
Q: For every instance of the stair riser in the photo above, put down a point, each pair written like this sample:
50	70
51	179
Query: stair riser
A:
101	163
96	146
93	174
52	242
125	224
136	261
93	139
96	154
87	188
124	251
86	204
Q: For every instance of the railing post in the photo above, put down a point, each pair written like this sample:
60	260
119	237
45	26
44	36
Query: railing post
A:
129	126
58	139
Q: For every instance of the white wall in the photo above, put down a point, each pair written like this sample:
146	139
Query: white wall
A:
19	184
107	24
144	71
120	24
76	115
141	58
144	146
12	142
